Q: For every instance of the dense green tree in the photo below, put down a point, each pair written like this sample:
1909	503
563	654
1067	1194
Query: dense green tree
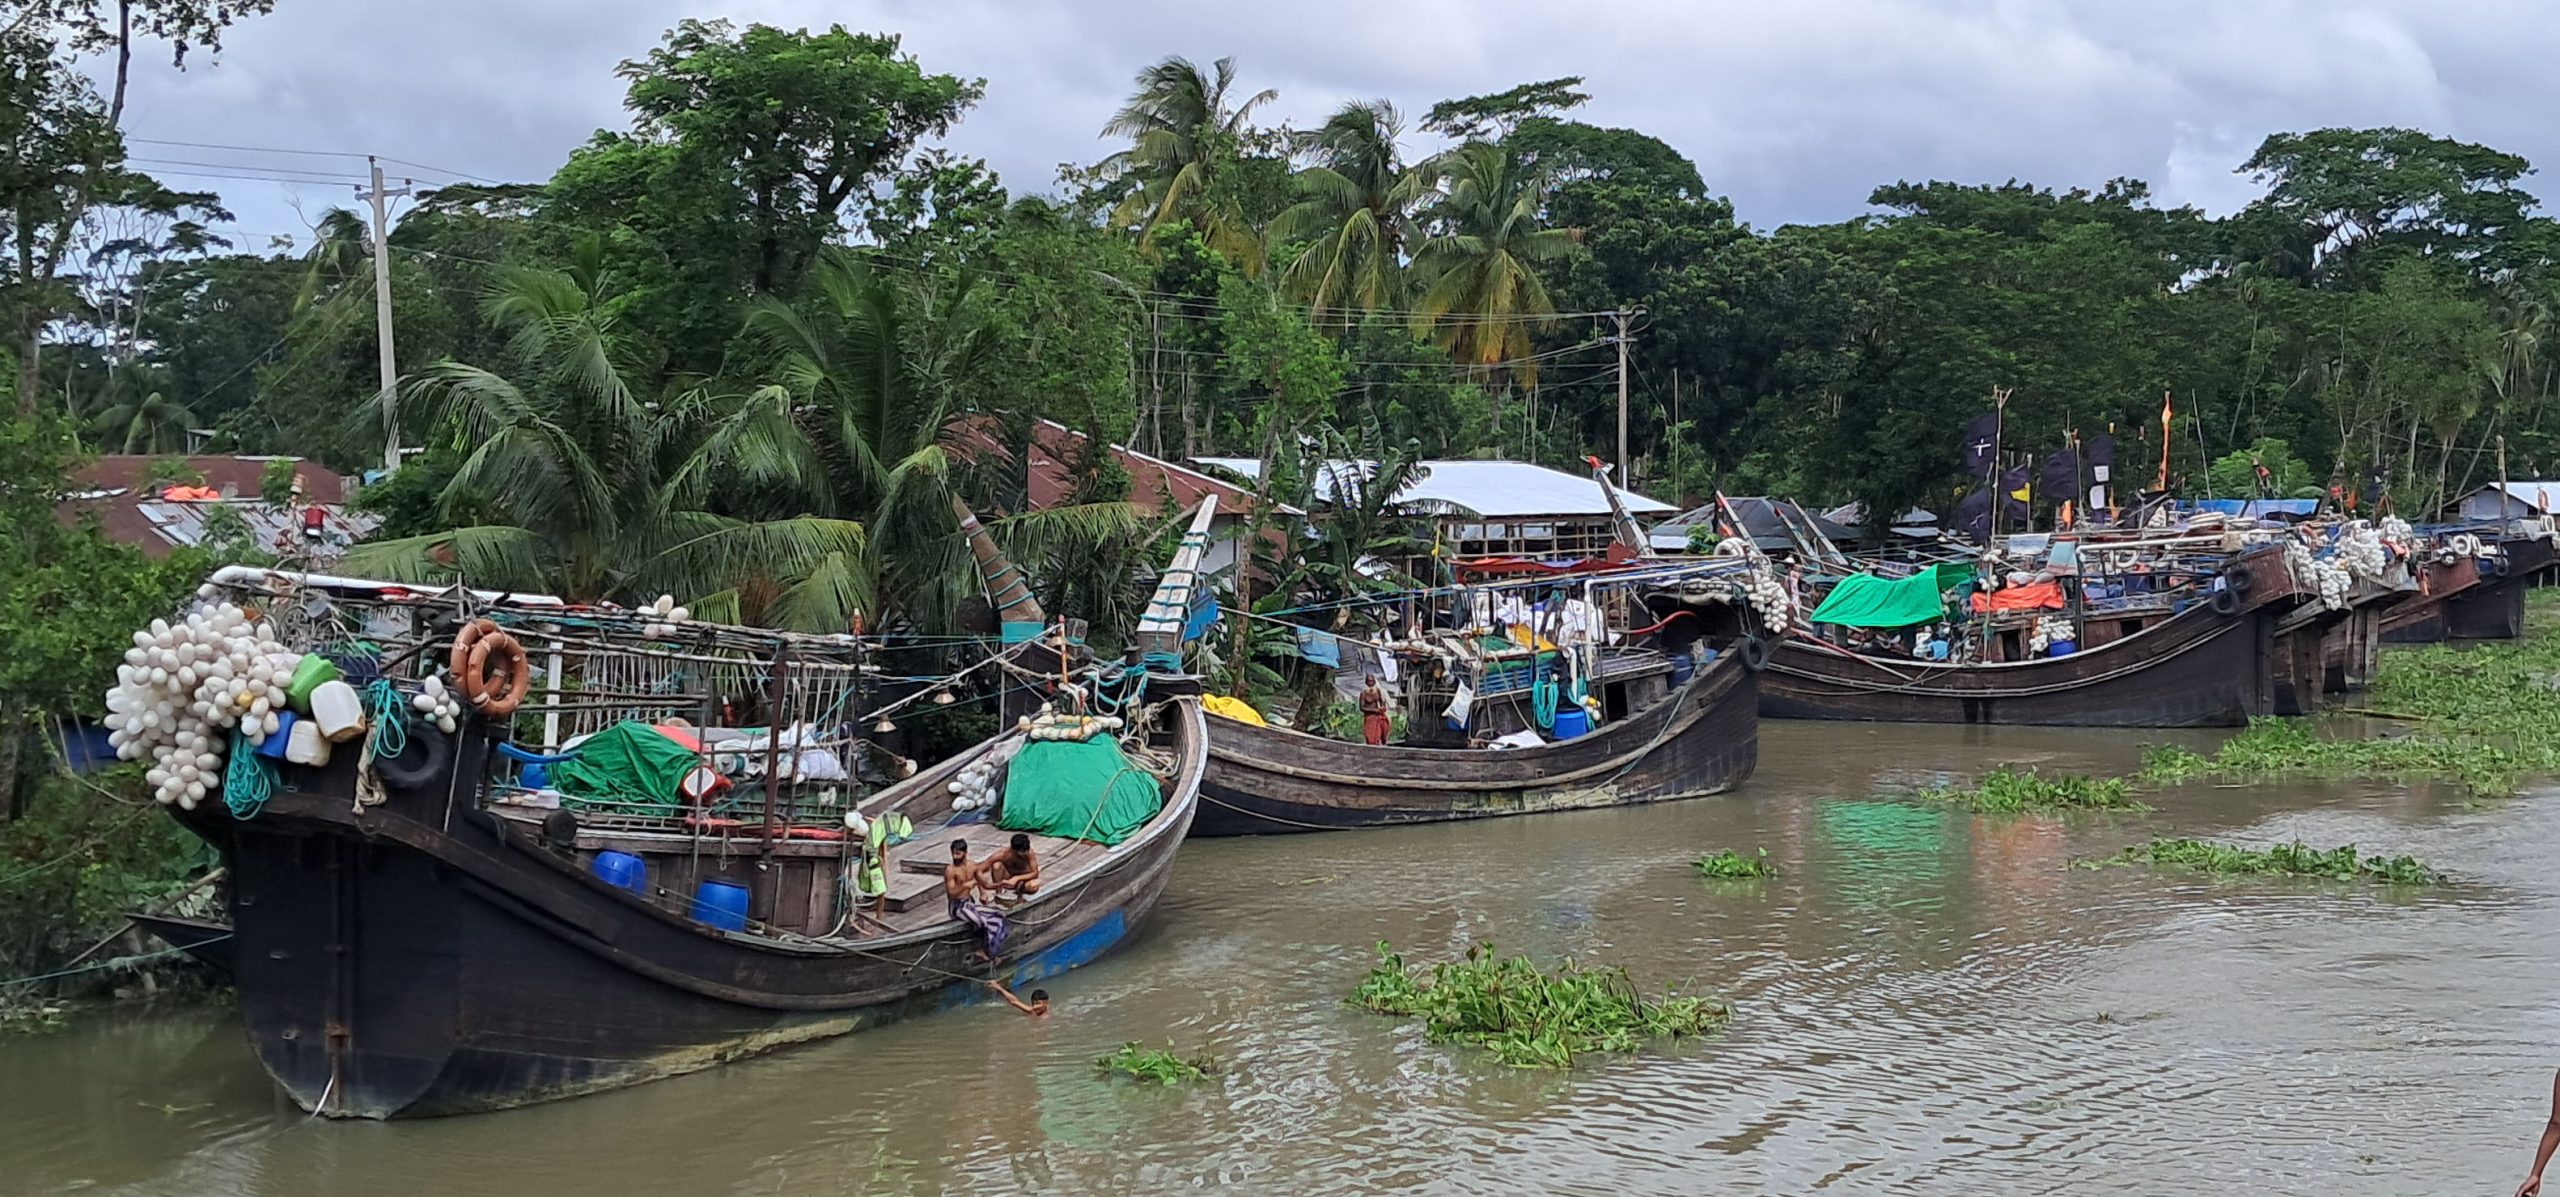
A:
750	151
2337	197
70	598
1493	117
140	417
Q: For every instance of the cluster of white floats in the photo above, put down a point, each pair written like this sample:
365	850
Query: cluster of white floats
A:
976	787
184	685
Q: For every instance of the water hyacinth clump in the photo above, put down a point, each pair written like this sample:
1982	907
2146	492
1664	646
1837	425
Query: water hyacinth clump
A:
2478	716
1728	865
1529	1017
2297	859
2270	747
1158	1066
2008	791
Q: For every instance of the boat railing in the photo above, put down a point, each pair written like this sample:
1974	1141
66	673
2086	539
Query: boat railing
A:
726	689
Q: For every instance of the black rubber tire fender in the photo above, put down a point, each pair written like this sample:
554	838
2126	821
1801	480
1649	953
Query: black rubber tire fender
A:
2226	602
1755	653
426	760
2238	578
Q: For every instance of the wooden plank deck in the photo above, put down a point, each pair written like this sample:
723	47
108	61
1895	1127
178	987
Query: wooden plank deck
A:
915	867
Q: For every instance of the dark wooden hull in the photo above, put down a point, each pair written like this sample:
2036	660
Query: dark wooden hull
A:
1702	738
425	957
2302	640
2199	668
2463	601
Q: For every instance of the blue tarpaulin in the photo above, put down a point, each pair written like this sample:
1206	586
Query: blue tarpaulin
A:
2257	507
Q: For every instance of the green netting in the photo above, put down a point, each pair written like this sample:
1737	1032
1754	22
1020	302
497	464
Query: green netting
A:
627	766
1867	601
1077	790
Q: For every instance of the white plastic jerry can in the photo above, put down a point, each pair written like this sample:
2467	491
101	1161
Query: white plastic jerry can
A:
337	711
305	745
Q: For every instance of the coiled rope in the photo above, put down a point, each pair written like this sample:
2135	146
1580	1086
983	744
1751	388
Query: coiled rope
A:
390	730
247	779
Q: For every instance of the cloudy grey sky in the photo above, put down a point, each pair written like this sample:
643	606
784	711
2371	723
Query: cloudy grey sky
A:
1794	108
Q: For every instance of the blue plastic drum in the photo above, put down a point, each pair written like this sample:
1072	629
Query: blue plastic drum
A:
720	904
622	870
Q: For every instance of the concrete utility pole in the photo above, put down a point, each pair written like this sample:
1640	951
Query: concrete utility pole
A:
382	315
1626	469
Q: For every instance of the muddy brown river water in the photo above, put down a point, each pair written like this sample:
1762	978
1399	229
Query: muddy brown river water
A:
1925	1002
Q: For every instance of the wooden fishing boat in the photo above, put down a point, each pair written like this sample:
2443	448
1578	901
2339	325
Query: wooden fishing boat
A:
443	938
2211	663
205	941
1700	737
2469	596
1667	726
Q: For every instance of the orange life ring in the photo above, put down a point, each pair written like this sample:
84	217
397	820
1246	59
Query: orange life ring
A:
459	659
496	674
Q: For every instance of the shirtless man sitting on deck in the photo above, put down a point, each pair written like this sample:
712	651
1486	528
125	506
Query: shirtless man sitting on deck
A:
960	888
1015	870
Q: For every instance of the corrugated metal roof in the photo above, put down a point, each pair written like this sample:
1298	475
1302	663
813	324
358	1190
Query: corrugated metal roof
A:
273	529
1493	489
2544	496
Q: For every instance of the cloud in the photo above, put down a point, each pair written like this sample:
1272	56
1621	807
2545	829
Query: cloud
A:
1796	110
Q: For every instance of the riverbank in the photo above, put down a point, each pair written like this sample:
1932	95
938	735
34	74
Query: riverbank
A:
87	852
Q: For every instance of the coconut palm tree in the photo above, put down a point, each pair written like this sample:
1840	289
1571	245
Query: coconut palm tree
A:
143	419
1357	214
1482	257
1183	128
564	483
341	247
868	416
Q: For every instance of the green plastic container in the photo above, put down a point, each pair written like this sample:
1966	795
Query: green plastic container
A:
314	672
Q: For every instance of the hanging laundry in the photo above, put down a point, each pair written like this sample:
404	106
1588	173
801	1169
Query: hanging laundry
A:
1319	648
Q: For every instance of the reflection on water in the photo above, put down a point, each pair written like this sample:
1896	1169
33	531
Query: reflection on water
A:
1926	1002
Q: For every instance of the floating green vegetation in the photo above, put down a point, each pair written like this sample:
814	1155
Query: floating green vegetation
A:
1728	865
1163	1067
2341	863
2007	791
2471	755
1529	1017
2479	716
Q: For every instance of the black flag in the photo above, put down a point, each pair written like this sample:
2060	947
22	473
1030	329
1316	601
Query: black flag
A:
1981	437
1973	514
2101	451
2062	474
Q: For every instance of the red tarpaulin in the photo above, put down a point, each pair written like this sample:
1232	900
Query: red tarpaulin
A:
2034	596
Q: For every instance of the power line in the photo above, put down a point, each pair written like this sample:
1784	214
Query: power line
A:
204	174
459	174
242	149
330	176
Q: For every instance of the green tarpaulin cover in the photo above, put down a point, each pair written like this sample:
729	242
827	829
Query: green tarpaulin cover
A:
1867	601
627	766
1078	791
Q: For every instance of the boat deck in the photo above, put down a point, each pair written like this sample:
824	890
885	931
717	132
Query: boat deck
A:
915	870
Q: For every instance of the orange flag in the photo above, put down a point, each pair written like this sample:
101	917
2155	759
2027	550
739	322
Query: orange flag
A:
2164	441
